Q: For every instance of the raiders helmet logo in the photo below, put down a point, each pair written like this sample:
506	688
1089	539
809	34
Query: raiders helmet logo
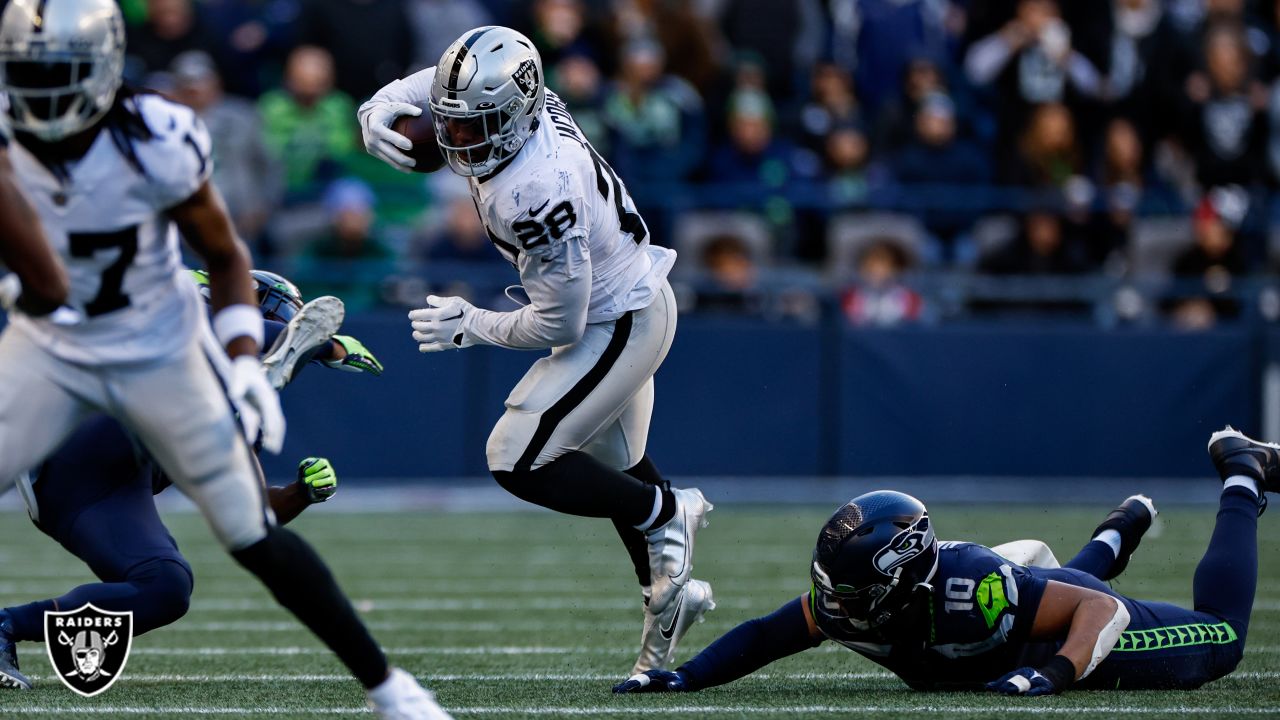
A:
526	78
88	647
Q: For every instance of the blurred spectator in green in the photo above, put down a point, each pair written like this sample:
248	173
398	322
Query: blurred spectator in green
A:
1048	151
243	171
879	297
310	127
844	158
754	155
576	79
349	260
655	120
371	41
171	28
936	156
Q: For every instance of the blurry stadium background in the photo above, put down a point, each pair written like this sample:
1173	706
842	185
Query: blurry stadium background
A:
986	251
917	237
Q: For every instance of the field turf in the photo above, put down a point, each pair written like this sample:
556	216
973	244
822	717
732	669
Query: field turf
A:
512	615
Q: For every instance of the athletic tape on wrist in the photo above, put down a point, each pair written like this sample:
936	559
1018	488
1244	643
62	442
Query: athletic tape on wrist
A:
236	321
1108	637
1060	671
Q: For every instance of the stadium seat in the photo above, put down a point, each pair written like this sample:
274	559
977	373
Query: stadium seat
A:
693	230
849	234
1155	242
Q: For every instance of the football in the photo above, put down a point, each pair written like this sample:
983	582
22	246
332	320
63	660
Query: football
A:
422	134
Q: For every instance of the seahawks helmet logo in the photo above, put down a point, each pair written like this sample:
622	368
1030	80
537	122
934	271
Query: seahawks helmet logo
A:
526	78
905	545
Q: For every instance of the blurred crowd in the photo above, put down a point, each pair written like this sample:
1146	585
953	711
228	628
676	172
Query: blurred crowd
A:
859	147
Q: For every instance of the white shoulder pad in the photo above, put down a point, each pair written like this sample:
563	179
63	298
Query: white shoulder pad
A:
543	210
178	158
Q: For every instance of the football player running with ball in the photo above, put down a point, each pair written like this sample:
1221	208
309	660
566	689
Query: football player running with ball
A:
113	174
958	616
573	436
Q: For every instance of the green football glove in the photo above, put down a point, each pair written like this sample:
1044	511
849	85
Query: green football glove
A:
318	478
358	359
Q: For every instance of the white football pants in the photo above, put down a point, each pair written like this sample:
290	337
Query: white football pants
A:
176	406
595	395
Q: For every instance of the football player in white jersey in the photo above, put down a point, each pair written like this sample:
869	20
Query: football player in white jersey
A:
39	283
573	436
111	172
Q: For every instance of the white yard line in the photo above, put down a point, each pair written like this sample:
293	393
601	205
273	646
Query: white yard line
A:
699	710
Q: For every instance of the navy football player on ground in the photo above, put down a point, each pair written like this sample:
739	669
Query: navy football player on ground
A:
94	496
958	616
114	175
573	436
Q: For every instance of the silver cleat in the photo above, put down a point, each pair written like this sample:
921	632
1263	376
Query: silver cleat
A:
311	327
671	547
663	631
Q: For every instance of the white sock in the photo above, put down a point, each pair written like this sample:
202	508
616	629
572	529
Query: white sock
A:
657	508
1243	481
385	691
1111	537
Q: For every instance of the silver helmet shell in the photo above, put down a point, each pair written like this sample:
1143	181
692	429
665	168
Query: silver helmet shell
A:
486	97
61	63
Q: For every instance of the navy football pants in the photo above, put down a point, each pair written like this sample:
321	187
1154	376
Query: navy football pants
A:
94	496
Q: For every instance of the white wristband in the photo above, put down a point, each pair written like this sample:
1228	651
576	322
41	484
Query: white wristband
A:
236	321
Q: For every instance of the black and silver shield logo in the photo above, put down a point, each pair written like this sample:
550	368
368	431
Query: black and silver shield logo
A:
526	78
88	647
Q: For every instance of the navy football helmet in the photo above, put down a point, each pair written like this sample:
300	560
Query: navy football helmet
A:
279	299
875	556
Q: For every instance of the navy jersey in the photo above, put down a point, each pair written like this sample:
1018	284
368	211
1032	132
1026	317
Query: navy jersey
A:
973	630
977	625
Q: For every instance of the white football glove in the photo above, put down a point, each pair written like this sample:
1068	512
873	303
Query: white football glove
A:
257	401
380	140
438	326
10	289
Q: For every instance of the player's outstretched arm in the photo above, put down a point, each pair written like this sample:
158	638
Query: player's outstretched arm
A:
738	653
1090	620
25	251
237	320
317	482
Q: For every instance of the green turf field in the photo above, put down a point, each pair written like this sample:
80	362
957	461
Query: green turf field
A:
532	614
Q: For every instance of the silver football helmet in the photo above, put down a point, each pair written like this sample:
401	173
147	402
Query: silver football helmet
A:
61	63
486	98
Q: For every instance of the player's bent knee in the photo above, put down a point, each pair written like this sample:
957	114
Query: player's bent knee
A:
167	585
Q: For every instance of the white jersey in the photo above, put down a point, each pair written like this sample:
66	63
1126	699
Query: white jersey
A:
105	216
557	210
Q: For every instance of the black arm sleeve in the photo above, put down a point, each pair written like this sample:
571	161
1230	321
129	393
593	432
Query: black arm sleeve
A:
750	646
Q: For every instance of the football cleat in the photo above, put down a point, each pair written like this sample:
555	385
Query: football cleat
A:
10	677
1234	453
671	547
310	328
400	697
1130	520
663	631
